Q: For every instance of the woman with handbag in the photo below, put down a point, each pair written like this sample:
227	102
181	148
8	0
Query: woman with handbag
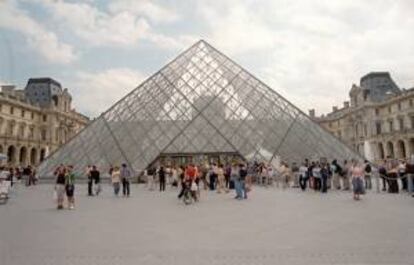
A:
60	186
70	187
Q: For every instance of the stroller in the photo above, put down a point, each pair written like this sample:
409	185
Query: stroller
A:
4	190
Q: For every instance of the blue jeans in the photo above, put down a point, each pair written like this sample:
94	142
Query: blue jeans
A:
238	188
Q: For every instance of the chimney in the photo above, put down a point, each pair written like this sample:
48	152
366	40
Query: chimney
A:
312	113
346	104
334	108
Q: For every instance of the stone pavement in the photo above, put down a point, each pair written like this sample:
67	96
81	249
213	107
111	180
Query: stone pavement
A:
272	227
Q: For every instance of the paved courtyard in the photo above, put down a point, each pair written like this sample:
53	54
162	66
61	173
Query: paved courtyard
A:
272	227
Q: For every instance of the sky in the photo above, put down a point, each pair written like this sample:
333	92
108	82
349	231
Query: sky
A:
311	52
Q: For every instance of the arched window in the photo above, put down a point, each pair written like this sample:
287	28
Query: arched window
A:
23	155
42	154
33	156
11	154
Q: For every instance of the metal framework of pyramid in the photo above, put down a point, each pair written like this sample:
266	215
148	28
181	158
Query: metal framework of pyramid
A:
201	102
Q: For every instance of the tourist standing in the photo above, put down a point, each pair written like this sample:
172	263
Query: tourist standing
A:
174	176
221	179
182	174
316	177
392	174
27	175
383	174
162	178
401	174
227	175
90	180
204	171
70	187
125	178
213	176
324	175
336	173
235	176
357	175
116	179
242	179
367	176
264	174
60	186
303	176
96	178
151	177
295	173
346	173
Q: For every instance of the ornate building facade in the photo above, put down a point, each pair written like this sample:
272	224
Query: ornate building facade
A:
36	120
378	122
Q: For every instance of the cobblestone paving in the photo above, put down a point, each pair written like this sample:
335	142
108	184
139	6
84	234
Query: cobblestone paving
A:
272	227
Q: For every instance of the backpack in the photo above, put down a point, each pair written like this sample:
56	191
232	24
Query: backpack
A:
368	168
151	171
339	170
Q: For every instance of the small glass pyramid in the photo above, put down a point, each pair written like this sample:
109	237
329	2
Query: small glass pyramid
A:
201	102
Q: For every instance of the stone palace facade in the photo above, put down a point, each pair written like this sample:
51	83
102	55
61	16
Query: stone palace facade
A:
36	120
378	122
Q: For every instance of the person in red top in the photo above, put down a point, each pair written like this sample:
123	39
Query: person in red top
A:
190	177
190	172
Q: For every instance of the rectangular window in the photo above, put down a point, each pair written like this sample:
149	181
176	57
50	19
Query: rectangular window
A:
401	124
389	109
23	113
377	112
43	134
378	128
32	115
31	133
11	110
44	118
391	126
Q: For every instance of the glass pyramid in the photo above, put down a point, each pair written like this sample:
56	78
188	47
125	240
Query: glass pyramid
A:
201	102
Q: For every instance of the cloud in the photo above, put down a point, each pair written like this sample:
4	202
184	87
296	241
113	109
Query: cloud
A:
97	27
44	42
312	51
120	24
95	92
234	27
149	9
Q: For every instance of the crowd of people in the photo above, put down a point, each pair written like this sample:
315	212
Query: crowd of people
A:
190	179
25	174
214	177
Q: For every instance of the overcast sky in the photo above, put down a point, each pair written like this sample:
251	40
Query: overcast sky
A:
311	52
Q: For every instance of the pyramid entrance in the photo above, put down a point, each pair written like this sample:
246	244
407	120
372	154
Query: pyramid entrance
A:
178	159
200	106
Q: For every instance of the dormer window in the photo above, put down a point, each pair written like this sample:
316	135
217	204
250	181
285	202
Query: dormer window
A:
55	100
365	94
